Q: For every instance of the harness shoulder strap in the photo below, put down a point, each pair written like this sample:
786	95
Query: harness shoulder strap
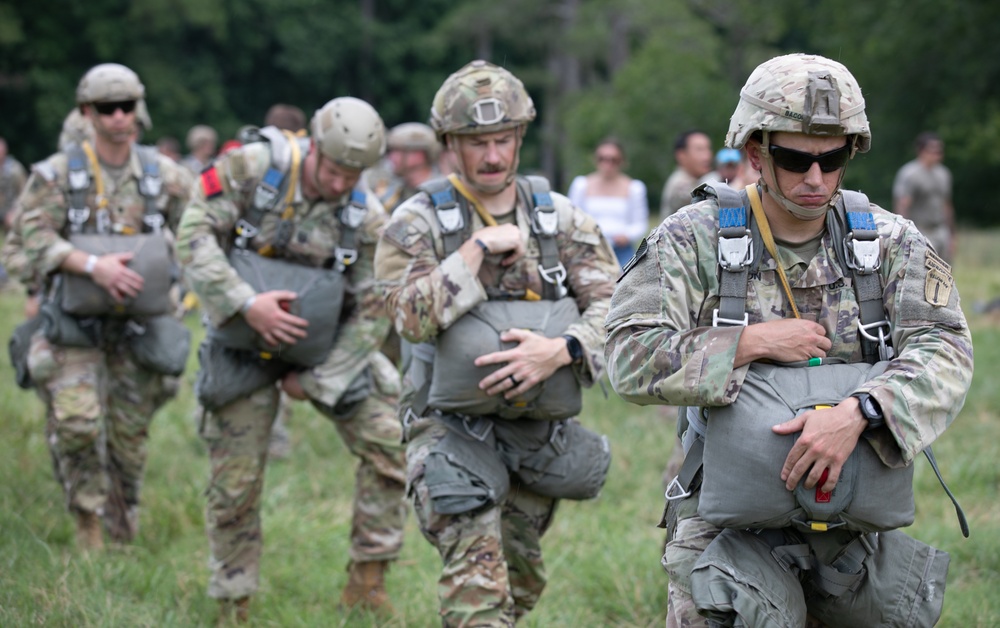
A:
271	187
739	251
79	184
452	213
352	216
537	195
150	187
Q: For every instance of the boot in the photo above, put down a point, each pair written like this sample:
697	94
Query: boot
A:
366	586
234	610
89	536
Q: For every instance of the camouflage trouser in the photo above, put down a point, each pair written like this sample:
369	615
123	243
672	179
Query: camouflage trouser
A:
238	437
99	466
493	573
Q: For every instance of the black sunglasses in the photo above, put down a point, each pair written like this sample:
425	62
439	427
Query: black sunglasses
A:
797	161
109	108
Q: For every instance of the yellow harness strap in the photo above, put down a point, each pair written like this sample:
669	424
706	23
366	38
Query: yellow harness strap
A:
293	183
765	233
488	219
95	168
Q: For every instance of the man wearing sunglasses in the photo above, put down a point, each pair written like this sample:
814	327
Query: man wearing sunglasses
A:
100	399
800	119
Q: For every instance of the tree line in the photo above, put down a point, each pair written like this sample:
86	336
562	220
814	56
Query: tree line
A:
642	70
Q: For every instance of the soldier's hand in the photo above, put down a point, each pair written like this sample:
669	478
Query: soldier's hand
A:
111	273
502	239
268	318
291	386
785	340
531	362
31	306
827	440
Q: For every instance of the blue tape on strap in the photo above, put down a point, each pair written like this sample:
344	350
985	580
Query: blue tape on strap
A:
732	217
273	177
358	196
443	197
543	199
76	164
861	221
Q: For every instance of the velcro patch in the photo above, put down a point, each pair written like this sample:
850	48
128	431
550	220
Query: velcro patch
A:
636	258
210	183
938	281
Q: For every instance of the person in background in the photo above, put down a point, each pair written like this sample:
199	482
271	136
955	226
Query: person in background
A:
615	200
922	193
202	141
693	154
169	146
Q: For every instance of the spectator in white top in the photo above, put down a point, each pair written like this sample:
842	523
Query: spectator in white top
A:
616	201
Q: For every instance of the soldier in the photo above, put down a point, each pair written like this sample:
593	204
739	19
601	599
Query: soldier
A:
922	193
202	141
12	177
323	223
416	149
471	426
800	119
91	369
693	154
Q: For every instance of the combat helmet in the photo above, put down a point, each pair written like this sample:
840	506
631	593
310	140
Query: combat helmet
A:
113	82
480	98
414	136
800	93
350	132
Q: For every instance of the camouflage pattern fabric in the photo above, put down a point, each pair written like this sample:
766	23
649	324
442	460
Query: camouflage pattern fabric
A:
662	348
374	435
493	571
238	437
456	106
12	256
83	388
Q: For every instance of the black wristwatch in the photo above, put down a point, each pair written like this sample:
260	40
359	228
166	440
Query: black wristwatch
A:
870	410
574	348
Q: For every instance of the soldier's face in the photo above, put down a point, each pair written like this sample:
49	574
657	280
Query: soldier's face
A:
812	188
486	159
115	125
330	180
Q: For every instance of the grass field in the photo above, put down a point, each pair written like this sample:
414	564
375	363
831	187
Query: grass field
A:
602	556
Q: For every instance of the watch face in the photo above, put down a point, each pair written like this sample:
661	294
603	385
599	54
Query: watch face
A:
868	408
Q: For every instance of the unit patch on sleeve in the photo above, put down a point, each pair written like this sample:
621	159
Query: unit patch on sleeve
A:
938	281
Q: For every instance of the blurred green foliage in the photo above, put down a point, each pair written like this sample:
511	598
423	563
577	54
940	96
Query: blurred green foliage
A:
643	70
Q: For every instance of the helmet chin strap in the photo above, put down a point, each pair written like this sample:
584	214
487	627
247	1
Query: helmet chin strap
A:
800	212
496	188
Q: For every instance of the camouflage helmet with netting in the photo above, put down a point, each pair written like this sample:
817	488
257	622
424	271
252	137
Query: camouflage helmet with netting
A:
350	132
481	98
414	136
113	82
800	93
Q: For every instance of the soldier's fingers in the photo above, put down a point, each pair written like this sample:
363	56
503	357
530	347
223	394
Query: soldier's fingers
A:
498	381
497	357
790	427
513	256
832	478
294	321
282	336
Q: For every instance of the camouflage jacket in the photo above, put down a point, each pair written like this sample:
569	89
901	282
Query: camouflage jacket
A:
12	256
206	233
45	203
12	178
427	292
662	347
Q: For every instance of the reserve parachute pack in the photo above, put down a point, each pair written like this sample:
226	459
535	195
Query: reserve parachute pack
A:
78	295
320	290
454	381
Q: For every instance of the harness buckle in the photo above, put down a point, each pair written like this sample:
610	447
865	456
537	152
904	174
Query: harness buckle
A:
555	276
154	222
244	233
353	214
264	196
78	216
103	221
345	257
732	322
545	220
885	350
675	485
477	427
862	255
735	253
450	218
150	185
79	179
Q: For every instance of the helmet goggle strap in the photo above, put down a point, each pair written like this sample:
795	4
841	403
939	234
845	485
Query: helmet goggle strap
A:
511	171
800	212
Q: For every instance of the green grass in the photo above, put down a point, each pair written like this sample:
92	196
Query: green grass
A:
603	556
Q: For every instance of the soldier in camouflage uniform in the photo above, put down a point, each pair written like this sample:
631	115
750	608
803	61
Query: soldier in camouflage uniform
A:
237	434
663	349
493	570
98	398
12	177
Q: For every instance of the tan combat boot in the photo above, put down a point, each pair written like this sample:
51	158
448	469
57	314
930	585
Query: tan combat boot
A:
89	536
366	586
234	610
